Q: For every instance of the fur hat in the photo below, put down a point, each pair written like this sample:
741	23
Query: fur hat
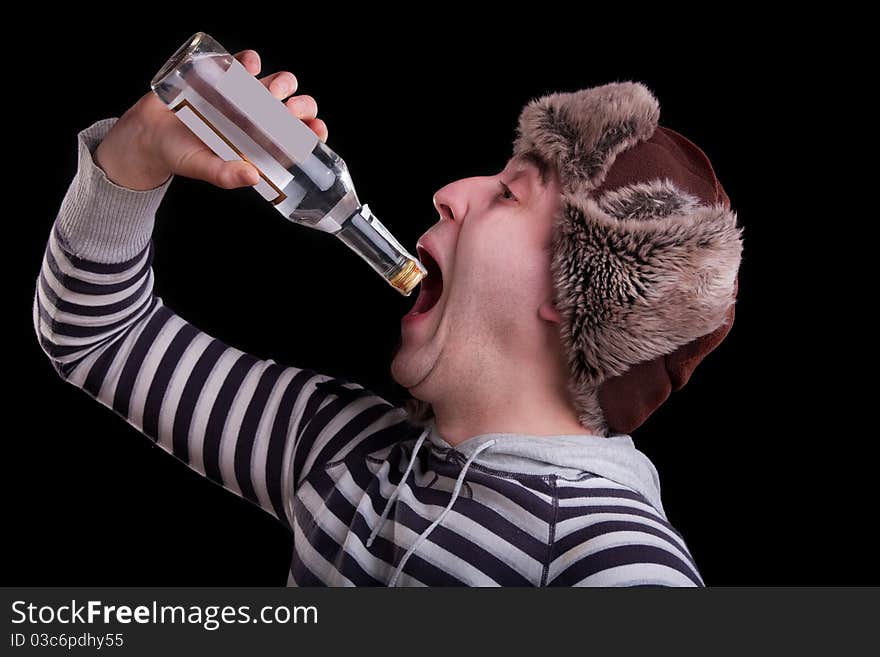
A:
646	249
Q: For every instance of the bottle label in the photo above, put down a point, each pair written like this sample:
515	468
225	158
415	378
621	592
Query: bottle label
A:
254	100
214	139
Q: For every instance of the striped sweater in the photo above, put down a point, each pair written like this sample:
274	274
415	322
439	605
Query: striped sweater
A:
369	496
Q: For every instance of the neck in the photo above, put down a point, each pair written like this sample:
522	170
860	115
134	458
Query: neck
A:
506	405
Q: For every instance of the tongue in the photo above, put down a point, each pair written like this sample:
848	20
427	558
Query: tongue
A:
425	300
429	293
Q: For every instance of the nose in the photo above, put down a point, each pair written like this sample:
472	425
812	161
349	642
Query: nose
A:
451	200
444	210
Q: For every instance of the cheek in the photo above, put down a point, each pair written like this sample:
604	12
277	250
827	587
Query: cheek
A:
508	266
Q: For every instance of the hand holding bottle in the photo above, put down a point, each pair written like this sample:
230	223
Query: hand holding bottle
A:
148	143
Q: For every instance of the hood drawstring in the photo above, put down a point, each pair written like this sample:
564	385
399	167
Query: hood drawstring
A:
384	516
431	527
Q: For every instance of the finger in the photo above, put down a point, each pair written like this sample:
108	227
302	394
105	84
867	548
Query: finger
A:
303	107
281	84
250	59
318	127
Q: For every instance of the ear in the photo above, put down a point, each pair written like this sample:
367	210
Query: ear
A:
548	312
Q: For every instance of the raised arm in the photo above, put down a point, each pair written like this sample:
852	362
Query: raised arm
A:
251	425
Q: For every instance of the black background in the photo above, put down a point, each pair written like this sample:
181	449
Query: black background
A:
762	467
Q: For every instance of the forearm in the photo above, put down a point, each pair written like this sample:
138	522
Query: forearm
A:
95	281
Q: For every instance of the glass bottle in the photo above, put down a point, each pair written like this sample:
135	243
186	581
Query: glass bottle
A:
237	117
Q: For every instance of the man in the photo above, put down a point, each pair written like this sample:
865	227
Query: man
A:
541	294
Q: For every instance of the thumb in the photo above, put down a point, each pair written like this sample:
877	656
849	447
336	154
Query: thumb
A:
203	164
237	173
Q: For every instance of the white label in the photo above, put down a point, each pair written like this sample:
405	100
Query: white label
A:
215	143
235	138
256	102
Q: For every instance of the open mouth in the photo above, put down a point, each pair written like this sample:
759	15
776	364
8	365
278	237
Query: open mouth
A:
431	286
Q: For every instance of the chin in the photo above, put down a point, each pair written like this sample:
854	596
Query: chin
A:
410	370
402	370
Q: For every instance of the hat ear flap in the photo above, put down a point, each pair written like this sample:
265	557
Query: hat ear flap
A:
640	272
629	399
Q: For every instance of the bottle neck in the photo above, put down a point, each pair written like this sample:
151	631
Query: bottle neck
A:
364	234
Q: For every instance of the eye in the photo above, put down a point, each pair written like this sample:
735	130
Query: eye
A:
505	190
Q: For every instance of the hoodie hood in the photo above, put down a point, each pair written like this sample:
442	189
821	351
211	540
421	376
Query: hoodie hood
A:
567	455
614	457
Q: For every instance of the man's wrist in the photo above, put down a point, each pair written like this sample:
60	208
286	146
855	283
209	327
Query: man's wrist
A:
100	220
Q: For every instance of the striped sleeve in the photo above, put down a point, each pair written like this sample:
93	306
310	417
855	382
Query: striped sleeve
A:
608	535
251	425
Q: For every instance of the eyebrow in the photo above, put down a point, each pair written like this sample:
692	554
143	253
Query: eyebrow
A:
530	157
